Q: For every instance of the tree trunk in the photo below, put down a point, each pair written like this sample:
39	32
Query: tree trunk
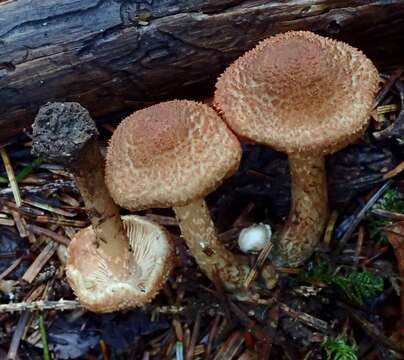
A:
111	55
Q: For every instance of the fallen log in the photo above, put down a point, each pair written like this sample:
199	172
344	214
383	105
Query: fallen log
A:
111	55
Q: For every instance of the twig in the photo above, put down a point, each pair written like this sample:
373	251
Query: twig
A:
385	109
370	329
49	208
257	330
8	206
387	86
22	322
11	177
307	319
17	336
392	173
20	224
388	214
212	335
51	234
330	227
70	200
104	350
263	255
10	268
62	222
163	220
361	214
58	185
231	347
7	222
395	128
40	261
41	305
359	244
194	338
271	322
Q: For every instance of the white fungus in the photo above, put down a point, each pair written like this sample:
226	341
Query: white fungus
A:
254	238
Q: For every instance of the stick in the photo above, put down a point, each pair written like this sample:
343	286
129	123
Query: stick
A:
40	261
361	215
11	177
41	305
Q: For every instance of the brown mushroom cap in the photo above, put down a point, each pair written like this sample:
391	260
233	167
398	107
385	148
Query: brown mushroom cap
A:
169	154
91	274
299	92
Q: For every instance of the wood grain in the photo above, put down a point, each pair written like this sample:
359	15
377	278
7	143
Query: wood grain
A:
116	54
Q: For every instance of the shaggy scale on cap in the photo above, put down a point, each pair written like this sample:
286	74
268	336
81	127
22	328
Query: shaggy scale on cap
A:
299	92
93	280
169	154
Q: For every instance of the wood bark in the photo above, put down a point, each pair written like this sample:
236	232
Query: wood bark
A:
111	55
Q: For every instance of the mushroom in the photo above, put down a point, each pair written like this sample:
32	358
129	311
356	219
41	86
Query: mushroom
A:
253	239
173	154
308	96
112	264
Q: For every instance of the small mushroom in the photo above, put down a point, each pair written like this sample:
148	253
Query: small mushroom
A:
254	238
173	154
110	265
91	272
308	96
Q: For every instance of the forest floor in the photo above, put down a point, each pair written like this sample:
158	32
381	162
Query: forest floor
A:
343	304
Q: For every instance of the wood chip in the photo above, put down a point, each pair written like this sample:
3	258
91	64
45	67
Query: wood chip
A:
47	252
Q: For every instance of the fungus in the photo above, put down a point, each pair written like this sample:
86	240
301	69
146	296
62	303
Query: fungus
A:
308	96
173	154
112	264
254	238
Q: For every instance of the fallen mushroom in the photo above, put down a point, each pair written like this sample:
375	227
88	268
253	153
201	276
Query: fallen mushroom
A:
112	264
173	154
308	96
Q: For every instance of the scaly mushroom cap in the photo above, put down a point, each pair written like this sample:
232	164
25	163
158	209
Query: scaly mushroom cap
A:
91	274
169	154
299	92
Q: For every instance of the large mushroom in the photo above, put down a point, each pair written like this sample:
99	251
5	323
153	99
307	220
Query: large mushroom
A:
173	154
111	265
307	96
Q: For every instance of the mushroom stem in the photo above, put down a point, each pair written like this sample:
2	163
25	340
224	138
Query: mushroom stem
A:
102	211
65	133
215	260
308	213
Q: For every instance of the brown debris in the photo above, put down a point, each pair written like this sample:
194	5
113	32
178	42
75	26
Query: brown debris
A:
47	252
